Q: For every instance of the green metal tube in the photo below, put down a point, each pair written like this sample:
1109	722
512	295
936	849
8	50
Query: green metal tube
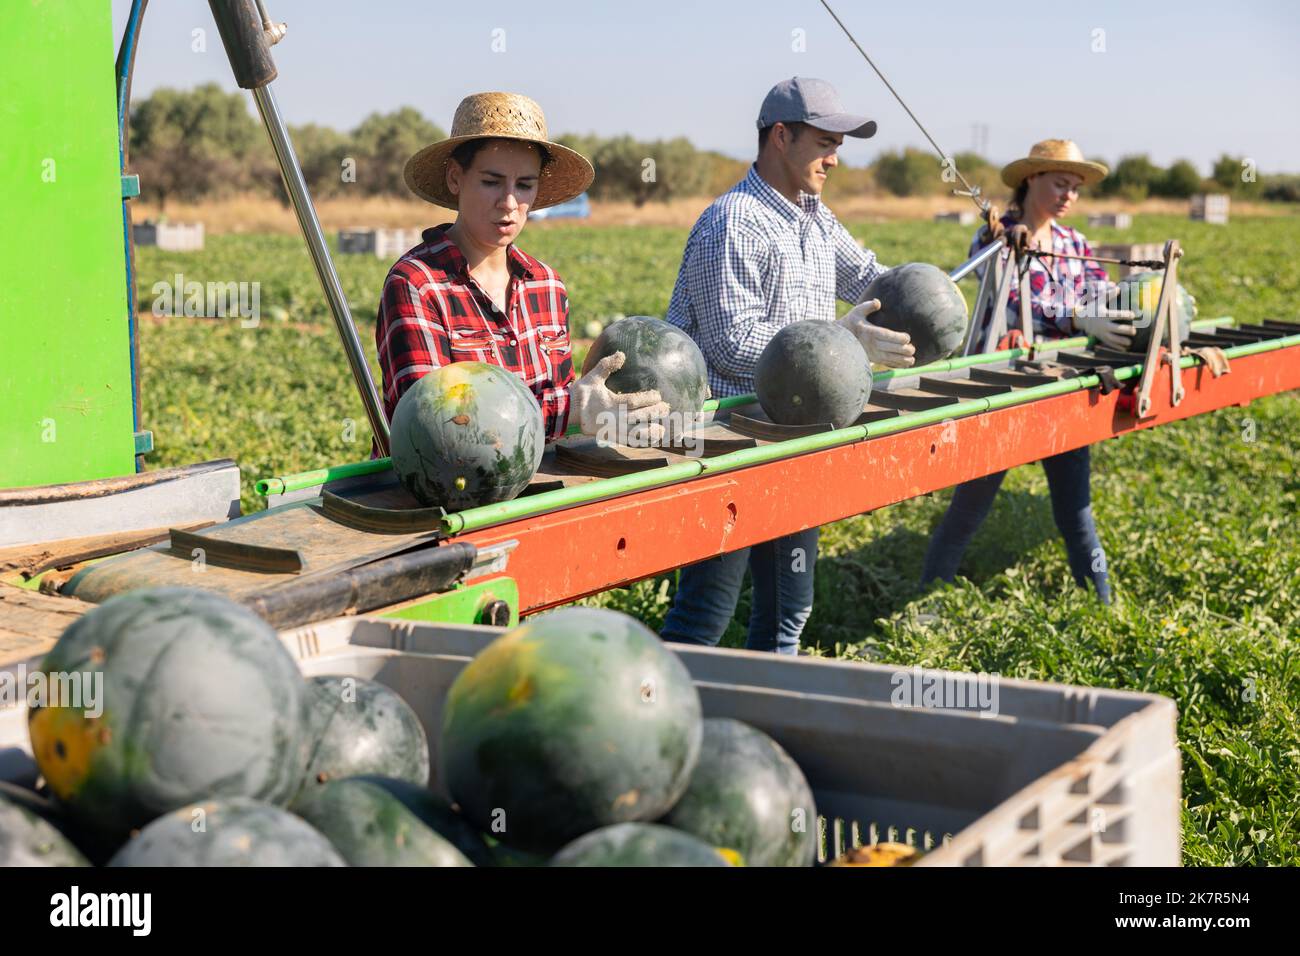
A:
472	519
283	485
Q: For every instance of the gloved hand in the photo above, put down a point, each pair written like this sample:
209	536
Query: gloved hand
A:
1111	327
883	346
627	418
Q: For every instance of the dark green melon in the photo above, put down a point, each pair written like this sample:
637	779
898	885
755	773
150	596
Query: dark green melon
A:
920	299
467	434
811	373
578	719
370	826
1140	294
199	700
657	355
28	835
358	726
233	832
747	794
638	844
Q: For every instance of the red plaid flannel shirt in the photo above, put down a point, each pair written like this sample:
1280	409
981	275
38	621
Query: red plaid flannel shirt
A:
1071	280
432	313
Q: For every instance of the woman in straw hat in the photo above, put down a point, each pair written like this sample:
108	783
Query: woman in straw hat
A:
467	293
1067	297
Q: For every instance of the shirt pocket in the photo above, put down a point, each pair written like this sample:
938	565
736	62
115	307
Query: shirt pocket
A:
474	346
557	350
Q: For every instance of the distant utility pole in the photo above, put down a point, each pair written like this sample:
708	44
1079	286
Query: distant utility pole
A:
979	138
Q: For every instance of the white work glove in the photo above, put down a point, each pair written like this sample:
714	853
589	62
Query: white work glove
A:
883	346
1111	327
625	418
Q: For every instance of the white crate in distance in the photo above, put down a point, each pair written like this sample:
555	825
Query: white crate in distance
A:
1209	207
1130	250
1061	776
1113	220
964	216
172	236
380	243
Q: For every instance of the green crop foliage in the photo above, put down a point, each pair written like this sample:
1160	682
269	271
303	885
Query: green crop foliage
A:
1198	518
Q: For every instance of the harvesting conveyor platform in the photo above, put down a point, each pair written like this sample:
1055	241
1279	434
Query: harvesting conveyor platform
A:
597	517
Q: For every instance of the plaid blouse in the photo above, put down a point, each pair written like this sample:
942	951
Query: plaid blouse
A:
756	262
432	313
1055	285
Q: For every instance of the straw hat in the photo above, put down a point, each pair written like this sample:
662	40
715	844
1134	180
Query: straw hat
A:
499	116
1053	154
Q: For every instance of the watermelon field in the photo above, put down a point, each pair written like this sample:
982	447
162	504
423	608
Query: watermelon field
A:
1198	518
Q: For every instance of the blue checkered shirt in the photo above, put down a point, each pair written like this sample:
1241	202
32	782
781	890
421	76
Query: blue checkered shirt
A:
756	262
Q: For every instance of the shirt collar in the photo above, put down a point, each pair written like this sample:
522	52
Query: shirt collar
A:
448	257
808	205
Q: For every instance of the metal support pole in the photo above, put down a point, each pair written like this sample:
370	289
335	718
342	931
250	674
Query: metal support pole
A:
320	257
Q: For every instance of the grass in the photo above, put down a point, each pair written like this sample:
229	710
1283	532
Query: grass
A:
1198	517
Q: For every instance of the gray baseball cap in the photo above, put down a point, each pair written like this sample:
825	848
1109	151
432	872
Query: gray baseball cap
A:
802	99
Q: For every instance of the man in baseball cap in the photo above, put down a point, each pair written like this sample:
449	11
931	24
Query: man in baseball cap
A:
765	254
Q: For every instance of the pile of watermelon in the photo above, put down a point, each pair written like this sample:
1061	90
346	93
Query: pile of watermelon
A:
577	739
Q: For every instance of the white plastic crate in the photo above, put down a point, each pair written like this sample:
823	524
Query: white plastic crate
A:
1061	776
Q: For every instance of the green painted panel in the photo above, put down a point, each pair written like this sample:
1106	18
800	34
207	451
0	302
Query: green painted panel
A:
464	604
65	362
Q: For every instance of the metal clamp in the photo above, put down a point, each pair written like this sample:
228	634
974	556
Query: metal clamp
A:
1164	320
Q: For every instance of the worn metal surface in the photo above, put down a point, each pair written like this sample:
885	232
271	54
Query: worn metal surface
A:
170	497
326	546
354	590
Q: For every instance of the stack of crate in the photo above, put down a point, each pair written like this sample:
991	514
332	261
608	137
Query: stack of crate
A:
380	243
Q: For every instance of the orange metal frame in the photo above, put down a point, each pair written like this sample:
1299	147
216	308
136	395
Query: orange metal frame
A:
590	548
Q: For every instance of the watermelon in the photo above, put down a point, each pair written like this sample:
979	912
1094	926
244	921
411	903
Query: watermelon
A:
657	355
1140	293
920	299
465	435
28	834
199	699
376	822
231	832
638	844
358	726
748	795
578	719
880	854
812	373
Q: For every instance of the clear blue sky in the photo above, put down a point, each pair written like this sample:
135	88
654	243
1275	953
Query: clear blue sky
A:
700	68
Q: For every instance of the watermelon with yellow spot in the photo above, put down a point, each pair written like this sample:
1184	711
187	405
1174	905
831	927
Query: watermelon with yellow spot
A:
184	695
233	832
579	719
465	435
1139	293
641	844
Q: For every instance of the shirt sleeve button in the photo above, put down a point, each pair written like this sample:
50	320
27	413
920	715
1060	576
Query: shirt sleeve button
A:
514	341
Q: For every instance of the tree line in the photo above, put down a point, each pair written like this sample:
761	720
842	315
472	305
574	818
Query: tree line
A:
205	143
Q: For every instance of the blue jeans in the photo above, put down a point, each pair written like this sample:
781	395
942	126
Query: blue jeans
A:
1068	477
782	572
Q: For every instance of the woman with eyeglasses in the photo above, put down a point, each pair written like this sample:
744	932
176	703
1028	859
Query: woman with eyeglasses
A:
1068	296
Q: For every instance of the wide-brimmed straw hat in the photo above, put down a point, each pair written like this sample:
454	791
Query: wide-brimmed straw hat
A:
499	116
1053	154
